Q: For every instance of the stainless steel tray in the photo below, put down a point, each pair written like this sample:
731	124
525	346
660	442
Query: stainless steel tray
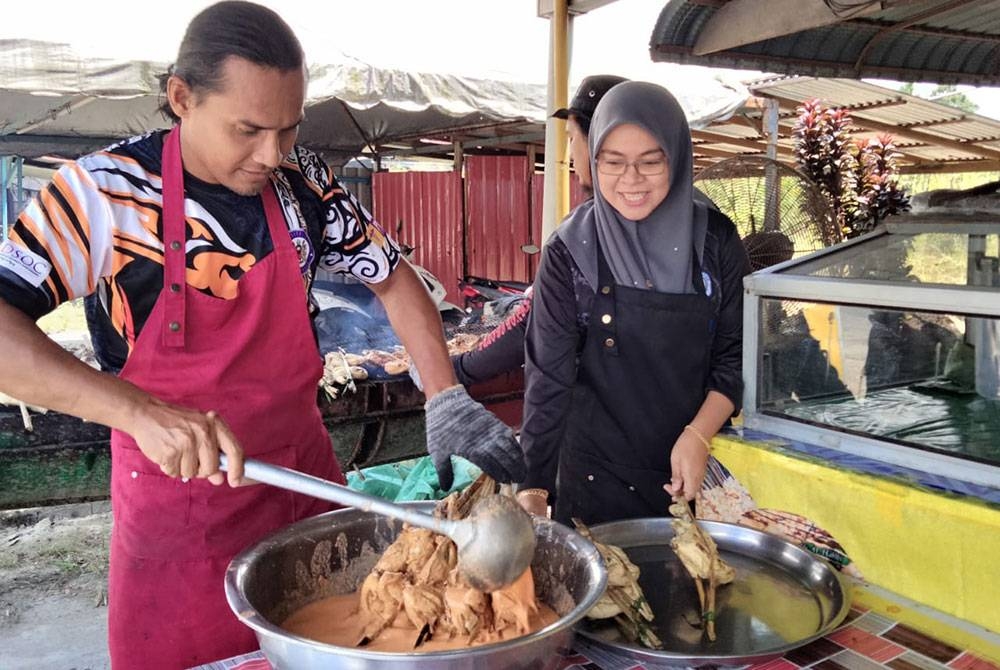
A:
783	597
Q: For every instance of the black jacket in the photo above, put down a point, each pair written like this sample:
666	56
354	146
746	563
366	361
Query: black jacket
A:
557	326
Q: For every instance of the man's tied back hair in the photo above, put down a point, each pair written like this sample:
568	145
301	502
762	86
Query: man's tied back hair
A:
230	28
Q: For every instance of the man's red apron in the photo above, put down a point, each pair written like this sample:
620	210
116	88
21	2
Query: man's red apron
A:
253	359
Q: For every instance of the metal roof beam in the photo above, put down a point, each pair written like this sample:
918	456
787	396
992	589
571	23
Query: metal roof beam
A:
33	146
715	152
829	68
496	127
471	143
575	7
934	122
741	22
934	11
951	167
918	135
967	147
759	144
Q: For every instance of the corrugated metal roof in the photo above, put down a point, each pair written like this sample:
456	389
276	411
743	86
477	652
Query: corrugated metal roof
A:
945	41
931	136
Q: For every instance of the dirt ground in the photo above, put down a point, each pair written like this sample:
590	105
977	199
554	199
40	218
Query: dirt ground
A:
53	581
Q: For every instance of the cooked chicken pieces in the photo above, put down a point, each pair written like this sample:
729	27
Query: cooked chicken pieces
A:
623	598
700	557
417	576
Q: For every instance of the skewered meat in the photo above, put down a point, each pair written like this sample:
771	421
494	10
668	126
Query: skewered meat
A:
462	343
397	367
623	598
700	557
396	361
339	372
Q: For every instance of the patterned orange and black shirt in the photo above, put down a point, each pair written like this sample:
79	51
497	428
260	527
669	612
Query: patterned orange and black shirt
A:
97	228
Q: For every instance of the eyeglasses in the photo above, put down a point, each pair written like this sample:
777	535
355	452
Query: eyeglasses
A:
647	167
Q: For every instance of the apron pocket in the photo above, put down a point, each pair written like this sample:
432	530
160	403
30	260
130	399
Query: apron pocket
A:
152	512
231	519
596	490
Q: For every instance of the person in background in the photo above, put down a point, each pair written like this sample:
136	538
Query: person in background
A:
633	346
502	350
578	116
202	241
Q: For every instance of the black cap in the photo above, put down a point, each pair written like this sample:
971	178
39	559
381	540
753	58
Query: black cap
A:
590	92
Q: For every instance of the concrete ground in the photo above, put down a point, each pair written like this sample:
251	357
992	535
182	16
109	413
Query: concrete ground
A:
53	580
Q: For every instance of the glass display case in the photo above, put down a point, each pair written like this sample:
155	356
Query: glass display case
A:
887	346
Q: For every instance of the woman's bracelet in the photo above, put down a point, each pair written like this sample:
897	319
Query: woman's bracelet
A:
541	493
708	445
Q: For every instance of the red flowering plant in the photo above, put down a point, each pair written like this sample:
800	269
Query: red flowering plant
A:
858	179
879	192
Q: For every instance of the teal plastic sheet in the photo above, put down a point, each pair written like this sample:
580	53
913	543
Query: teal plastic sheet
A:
410	480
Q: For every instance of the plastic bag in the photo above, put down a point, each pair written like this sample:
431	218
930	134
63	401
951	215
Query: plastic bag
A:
410	480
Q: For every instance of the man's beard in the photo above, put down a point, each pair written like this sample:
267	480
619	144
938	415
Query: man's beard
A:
248	191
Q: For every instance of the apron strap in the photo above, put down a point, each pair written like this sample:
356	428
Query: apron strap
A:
697	277
603	320
174	242
275	216
175	238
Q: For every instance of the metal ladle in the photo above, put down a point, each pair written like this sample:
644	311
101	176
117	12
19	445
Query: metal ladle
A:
496	542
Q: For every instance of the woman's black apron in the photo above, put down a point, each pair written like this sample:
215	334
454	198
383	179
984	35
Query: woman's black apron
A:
641	378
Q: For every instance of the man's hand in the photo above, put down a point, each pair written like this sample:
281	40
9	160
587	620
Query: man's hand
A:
688	462
186	443
458	425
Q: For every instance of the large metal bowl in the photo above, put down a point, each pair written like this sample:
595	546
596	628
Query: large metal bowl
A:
332	553
783	597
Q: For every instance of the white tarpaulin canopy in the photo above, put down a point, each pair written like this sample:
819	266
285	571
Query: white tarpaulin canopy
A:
53	102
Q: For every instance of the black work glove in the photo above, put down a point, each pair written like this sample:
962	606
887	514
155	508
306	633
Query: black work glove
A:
458	425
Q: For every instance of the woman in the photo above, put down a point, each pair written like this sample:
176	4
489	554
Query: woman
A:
633	350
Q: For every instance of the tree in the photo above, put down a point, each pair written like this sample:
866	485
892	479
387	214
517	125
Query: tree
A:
946	94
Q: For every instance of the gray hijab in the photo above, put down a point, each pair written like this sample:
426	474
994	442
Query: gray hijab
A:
658	251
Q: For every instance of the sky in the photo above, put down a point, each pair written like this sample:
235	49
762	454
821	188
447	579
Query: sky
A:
502	39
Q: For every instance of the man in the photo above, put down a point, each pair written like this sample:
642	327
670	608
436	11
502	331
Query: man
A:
502	350
578	115
203	264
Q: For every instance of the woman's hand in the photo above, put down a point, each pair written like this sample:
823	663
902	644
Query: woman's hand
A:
186	443
688	462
